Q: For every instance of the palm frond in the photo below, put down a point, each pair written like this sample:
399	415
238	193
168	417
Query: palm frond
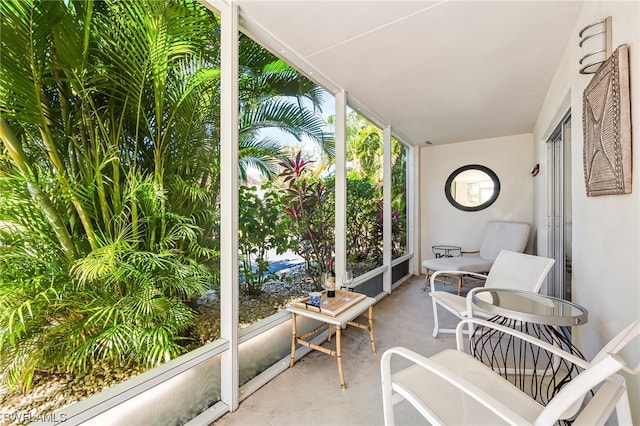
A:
263	154
290	118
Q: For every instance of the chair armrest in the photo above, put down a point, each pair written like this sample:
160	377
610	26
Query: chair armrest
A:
462	253
603	403
520	335
465	386
435	274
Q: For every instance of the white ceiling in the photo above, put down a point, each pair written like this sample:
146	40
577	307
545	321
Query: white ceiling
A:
443	71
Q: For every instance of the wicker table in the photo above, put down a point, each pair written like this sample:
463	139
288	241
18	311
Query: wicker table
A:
444	250
355	306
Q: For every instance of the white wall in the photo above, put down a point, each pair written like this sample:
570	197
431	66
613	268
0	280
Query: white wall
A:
511	158
606	229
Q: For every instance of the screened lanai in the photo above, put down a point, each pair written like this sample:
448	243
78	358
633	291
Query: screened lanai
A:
433	86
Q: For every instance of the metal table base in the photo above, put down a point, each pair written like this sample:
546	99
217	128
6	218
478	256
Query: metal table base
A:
531	368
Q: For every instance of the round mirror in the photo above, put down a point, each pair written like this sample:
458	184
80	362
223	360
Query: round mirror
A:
472	188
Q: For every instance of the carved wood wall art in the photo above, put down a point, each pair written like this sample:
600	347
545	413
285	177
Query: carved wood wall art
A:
606	121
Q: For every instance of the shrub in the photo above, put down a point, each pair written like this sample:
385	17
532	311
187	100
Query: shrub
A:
306	203
261	228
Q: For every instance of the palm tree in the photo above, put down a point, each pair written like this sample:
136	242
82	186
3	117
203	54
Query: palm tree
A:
274	95
109	174
92	97
364	147
364	193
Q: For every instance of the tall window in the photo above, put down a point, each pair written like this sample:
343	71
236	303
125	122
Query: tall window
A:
364	194
286	207
108	219
399	198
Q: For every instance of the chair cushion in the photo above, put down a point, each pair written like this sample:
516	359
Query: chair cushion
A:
463	263
500	236
451	301
453	406
519	271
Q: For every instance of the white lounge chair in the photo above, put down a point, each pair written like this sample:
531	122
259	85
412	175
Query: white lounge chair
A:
511	270
498	236
453	388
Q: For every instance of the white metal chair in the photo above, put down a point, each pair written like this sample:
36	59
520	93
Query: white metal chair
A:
498	236
453	388
510	270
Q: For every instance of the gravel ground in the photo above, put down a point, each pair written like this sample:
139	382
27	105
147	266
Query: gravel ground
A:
284	287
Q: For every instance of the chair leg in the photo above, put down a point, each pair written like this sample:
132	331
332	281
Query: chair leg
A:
436	327
426	280
387	391
623	410
459	284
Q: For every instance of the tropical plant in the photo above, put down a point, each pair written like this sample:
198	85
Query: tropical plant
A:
364	147
97	100
364	193
262	228
398	198
273	95
306	202
364	224
109	174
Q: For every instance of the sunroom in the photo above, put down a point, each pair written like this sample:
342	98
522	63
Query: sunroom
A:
443	85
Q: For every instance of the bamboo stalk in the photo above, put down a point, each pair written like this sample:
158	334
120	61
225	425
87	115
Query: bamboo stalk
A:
18	156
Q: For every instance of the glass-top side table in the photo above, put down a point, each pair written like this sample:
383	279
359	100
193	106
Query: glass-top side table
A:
530	307
444	250
528	367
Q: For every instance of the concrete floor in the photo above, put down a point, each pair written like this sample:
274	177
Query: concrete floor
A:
309	393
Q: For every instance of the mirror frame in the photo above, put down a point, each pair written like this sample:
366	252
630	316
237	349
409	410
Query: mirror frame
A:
491	200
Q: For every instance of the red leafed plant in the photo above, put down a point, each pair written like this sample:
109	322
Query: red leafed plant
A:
306	202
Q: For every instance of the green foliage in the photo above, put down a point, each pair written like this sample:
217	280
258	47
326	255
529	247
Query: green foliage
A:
364	223
273	95
120	303
306	202
398	198
364	147
109	174
262	227
364	192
